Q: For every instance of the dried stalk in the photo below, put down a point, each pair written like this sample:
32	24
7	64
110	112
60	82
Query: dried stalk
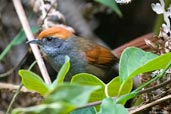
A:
21	14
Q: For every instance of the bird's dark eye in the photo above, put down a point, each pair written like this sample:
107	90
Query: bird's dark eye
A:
49	39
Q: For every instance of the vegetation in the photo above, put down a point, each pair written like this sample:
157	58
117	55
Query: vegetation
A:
87	94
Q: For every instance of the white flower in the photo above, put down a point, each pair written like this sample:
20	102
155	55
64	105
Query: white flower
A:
165	32
123	1
155	73
166	29
157	8
169	11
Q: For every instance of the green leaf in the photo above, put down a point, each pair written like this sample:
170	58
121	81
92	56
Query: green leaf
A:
135	61
115	84
108	106
71	93
54	108
89	110
91	80
111	4
18	39
132	59
62	73
33	82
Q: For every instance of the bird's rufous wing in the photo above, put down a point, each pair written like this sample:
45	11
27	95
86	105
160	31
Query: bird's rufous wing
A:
100	56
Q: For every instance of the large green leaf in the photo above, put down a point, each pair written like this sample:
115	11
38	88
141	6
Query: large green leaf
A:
33	82
134	61
111	4
109	106
71	93
62	73
18	39
54	108
91	80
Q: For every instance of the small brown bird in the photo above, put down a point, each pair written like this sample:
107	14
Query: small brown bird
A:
85	55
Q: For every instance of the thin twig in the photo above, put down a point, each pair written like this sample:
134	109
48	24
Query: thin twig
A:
89	105
143	107
13	88
27	29
14	68
7	73
93	104
155	87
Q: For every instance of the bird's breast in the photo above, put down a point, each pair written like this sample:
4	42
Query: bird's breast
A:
77	62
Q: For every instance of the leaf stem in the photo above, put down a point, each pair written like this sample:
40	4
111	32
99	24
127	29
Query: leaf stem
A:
32	65
106	91
13	99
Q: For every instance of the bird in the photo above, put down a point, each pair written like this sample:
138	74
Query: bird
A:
85	55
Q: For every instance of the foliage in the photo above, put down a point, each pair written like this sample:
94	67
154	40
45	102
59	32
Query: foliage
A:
73	97
86	87
64	96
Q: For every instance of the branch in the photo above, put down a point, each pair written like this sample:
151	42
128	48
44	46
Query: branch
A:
154	87
93	104
143	107
12	87
27	29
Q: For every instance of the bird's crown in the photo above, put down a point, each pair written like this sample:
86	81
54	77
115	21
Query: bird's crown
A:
58	32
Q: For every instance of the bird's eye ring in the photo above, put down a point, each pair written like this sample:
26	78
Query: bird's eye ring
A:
49	39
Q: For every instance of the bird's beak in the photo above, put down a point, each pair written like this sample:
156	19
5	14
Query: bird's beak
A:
35	41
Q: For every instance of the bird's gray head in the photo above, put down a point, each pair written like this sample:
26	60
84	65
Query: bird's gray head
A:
48	45
52	39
